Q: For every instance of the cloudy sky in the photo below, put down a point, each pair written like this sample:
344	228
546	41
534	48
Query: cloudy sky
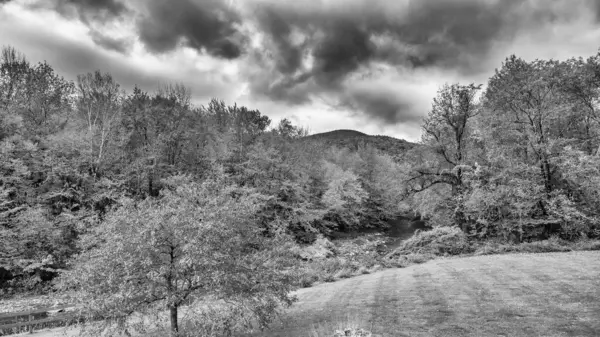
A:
368	65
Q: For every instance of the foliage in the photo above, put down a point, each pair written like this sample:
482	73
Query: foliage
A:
87	167
554	244
438	241
447	133
327	261
196	240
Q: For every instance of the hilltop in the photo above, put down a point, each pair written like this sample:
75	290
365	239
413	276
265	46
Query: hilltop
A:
353	139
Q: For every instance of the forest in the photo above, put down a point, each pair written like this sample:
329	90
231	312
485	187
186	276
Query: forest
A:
138	200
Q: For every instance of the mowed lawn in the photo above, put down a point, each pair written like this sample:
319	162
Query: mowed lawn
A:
555	294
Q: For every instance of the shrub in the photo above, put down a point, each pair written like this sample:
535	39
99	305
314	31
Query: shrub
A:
554	244
587	245
346	272
307	277
438	241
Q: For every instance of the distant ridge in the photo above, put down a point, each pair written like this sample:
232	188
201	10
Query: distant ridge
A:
353	139
342	133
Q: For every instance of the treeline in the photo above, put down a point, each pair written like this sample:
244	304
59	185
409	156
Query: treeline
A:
72	153
518	159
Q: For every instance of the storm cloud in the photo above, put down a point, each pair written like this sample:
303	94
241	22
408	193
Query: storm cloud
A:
206	25
294	52
209	26
339	36
386	106
88	11
108	42
314	48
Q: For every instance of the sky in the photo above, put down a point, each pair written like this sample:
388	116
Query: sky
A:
368	65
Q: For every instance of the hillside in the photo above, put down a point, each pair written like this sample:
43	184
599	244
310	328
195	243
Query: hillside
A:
504	295
354	139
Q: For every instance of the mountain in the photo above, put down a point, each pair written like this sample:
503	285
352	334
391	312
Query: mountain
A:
353	139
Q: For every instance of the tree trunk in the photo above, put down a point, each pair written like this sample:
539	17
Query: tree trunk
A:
547	175
174	324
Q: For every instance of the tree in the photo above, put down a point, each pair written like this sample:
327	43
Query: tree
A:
197	241
46	100
580	82
446	132
533	113
13	71
99	106
286	129
526	98
248	125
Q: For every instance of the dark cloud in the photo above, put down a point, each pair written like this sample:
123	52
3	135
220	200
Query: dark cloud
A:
427	33
71	58
122	46
288	56
205	25
93	13
311	48
381	104
344	39
86	10
343	49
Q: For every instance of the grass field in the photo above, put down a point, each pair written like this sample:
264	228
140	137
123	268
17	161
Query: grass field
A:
554	294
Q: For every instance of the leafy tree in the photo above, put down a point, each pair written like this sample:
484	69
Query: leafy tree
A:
533	113
196	242
525	97
99	107
46	100
35	247
248	125
580	82
286	129
13	71
446	133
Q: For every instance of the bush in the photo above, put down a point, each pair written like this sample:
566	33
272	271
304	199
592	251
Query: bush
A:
438	241
307	277
587	245
554	244
327	261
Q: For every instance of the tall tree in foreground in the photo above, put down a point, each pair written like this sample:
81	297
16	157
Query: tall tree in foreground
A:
539	130
446	133
197	242
524	101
